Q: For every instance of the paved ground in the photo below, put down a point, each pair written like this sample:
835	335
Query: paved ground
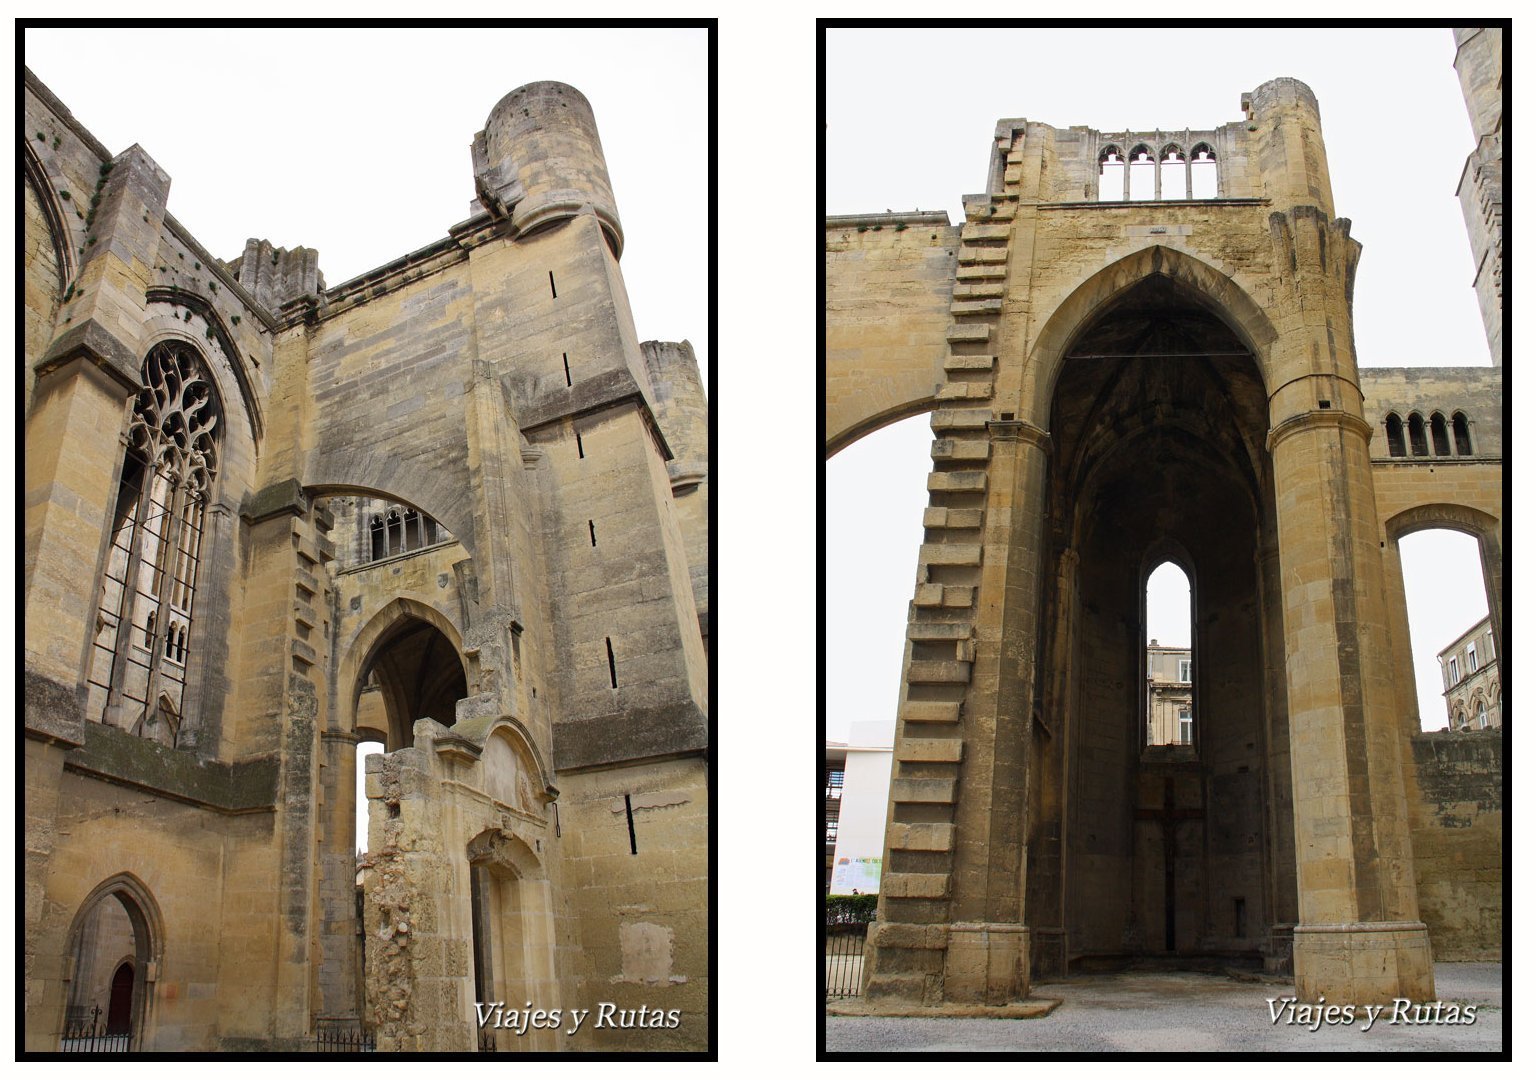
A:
1190	1013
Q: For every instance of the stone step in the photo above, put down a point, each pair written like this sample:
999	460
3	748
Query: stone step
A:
994	271
969	363
943	517
965	391
932	595
973	332
957	481
930	750
931	712
917	886
946	672
980	256
939	631
980	231
924	836
960	450
959	419
979	292
950	554
925	790
975	307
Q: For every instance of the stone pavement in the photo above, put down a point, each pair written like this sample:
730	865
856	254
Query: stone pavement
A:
1187	1012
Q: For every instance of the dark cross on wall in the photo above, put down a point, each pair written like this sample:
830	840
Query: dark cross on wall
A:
1170	816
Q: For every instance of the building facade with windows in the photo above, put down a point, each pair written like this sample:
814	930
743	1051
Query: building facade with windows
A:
858	783
1474	692
454	506
1170	695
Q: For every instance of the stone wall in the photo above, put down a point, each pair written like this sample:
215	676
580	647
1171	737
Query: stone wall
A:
1458	841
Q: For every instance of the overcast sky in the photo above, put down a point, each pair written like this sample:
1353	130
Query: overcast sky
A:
356	141
1397	135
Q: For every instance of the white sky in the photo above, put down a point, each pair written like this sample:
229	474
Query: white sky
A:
355	141
1395	180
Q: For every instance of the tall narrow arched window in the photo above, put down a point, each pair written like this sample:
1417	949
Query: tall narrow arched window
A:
1143	168
1202	172
376	536
1438	435
1170	701
1462	433
150	580
1395	446
1416	439
1173	178
1111	175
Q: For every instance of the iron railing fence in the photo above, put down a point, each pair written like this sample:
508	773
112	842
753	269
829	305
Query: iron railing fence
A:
88	1033
843	945
342	1035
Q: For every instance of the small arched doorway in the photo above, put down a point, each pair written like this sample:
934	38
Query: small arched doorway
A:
512	925
120	1003
112	944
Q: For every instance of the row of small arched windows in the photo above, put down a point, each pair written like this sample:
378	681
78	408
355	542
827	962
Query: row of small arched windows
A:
399	530
1431	440
1166	174
175	639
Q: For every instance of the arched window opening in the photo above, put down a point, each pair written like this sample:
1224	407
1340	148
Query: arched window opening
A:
1416	438
368	746
1482	715
1170	706
1143	174
1175	174
1442	442
1462	434
384	530
1448	625
157	528
1202	172
1111	175
1395	446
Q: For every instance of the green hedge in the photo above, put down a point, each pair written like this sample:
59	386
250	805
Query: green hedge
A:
851	909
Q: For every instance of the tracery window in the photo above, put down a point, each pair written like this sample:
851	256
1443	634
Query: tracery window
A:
1437	433
1462	434
141	646
397	530
1395	446
1416	440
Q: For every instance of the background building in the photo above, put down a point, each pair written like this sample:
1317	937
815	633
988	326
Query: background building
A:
1170	695
1474	694
858	783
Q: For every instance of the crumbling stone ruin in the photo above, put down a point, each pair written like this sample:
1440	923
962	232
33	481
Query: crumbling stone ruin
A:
453	505
1119	381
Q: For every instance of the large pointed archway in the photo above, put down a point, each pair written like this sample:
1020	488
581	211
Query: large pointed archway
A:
1158	420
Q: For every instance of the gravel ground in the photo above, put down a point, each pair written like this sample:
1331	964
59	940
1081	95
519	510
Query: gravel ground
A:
1189	1013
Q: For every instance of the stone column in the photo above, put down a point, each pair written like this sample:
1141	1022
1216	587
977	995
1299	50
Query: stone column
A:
988	957
336	921
1358	938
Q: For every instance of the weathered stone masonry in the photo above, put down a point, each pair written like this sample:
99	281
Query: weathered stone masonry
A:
529	641
1111	384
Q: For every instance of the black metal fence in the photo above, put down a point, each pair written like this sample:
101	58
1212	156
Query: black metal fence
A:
843	944
486	1041
342	1035
88	1033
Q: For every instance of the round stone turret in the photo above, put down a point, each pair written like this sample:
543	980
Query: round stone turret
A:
539	160
1284	117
